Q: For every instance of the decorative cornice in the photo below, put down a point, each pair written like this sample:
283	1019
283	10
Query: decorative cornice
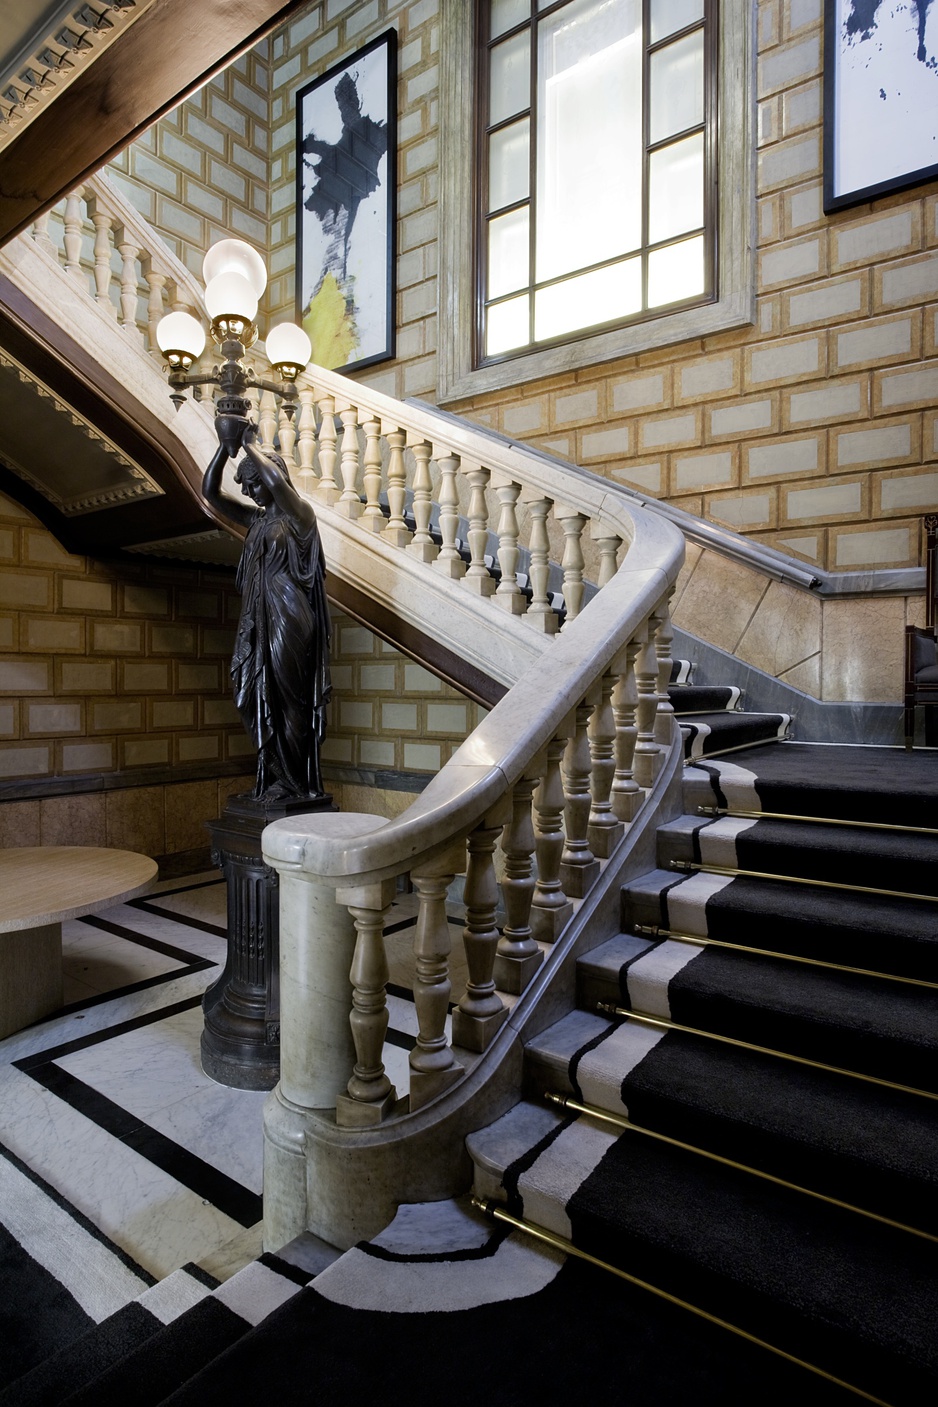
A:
192	548
137	485
77	35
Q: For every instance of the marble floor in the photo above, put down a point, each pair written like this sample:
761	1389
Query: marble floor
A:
104	1106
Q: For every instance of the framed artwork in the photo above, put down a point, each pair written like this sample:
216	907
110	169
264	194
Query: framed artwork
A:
345	178
880	98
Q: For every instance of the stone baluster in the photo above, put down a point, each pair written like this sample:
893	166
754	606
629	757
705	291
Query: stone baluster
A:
579	866
518	956
422	544
627	795
350	503
509	594
372	516
646	758
155	282
608	545
573	561
550	907
478	578
604	827
305	447
73	236
664	635
449	562
540	613
371	1097
129	253
102	260
396	530
328	488
41	235
481	1010
433	1066
286	433
267	421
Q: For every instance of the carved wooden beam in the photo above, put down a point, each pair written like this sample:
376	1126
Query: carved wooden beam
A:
170	51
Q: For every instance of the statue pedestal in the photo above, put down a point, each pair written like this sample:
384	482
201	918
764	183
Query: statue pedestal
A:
241	1036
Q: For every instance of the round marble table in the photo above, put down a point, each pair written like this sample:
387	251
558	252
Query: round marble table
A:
39	888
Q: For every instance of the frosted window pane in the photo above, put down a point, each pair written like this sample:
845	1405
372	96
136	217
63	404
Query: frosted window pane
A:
505	14
510	76
601	296
508	253
676	273
675	189
509	164
668	16
589	135
677	87
507	326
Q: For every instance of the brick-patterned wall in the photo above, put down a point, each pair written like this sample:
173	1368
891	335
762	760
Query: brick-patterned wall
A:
108	667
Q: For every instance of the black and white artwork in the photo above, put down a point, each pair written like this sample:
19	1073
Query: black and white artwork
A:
880	97
345	208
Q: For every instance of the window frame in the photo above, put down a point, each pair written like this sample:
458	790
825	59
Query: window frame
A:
461	372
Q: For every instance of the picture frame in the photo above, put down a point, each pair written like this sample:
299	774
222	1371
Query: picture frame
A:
880	98
346	174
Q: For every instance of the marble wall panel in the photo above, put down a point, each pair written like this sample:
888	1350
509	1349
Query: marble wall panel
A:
863	655
79	819
719	600
785	630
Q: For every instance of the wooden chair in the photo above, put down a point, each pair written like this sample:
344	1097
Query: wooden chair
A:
921	644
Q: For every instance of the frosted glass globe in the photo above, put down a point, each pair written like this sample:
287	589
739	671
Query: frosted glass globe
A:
287	343
233	256
180	332
230	296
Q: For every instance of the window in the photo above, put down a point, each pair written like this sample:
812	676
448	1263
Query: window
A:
595	173
581	214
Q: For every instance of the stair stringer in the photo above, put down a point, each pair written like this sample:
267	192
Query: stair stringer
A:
346	1185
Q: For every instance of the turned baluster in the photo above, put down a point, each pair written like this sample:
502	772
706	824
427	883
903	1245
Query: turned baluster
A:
328	488
155	284
449	562
608	545
646	758
41	234
550	907
305	448
422	544
573	561
267	421
478	578
540	613
372	516
73	236
579	866
286	433
664	636
396	530
349	504
253	398
604	826
102	260
371	1096
433	1067
481	1010
518	956
509	594
128	314
627	795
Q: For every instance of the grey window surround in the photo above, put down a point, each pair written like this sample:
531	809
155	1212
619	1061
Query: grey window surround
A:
735	304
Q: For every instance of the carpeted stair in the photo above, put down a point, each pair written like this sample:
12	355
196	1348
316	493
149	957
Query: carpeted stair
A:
711	717
720	1054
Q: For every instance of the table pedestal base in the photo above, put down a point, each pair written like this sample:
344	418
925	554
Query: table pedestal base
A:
241	1036
30	976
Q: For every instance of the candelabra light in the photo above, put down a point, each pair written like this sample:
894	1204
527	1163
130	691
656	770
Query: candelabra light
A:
235	279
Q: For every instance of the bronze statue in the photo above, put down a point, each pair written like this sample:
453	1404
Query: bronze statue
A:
280	665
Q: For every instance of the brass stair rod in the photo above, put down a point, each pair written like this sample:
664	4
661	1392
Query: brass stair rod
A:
651	930
611	1009
622	1121
559	1243
692	867
813	820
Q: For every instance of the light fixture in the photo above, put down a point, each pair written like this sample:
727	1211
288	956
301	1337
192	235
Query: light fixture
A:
235	279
